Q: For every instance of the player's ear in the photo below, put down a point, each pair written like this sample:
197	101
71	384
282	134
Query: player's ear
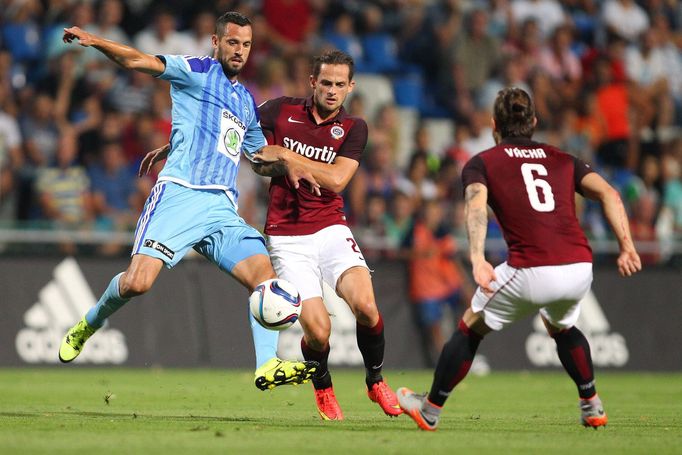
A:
535	122
351	86
313	81
214	41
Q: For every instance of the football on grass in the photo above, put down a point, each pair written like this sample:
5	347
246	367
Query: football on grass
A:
275	304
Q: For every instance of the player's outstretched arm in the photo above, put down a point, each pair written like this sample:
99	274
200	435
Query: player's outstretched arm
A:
333	177
476	220
125	56
598	189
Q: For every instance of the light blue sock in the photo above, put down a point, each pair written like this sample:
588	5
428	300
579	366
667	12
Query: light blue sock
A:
107	305
264	340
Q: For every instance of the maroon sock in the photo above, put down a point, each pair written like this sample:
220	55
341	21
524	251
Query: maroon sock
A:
322	378
454	363
574	353
371	344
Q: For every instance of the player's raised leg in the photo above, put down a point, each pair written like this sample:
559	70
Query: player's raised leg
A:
575	356
355	287
250	271
315	347
136	280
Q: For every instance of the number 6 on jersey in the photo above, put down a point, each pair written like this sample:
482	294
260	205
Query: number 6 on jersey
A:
535	185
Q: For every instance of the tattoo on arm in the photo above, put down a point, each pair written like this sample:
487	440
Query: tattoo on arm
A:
476	219
269	169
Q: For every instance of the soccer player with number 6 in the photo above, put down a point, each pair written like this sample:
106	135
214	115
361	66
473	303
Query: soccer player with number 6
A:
530	187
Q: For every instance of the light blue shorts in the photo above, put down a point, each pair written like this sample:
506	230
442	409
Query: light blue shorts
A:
176	218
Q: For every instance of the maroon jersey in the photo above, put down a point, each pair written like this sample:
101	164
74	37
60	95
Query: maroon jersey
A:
531	189
289	122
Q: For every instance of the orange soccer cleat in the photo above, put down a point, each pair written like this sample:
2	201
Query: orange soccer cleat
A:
385	397
327	405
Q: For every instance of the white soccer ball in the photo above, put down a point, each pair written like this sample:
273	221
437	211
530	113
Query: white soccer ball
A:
275	304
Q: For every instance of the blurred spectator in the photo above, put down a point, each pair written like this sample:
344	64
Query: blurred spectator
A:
114	188
40	130
380	50
372	233
342	36
525	42
436	280
624	18
547	13
20	32
377	175
399	219
199	36
11	159
480	135
162	36
670	43
63	190
271	81
620	147
645	65
417	182
501	19
642	228
561	63
291	23
669	223
508	73
476	56
80	14
132	92
388	122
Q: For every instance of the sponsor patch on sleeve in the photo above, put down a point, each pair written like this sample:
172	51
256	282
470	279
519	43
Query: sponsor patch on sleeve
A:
160	247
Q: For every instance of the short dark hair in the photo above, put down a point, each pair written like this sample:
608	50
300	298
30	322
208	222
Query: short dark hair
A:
514	113
335	57
231	17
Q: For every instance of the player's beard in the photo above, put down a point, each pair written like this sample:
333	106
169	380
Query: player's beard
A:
230	71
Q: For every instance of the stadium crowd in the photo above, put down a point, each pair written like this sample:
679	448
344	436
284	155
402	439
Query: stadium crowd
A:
605	75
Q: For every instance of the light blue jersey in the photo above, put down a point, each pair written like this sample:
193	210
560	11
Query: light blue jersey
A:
214	120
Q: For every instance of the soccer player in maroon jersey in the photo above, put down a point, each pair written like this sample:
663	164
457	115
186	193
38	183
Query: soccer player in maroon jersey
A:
530	187
308	237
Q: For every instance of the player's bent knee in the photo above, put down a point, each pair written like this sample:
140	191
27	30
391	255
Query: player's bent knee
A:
133	285
366	312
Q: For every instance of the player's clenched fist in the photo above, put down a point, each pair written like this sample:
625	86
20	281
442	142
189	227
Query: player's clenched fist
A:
84	38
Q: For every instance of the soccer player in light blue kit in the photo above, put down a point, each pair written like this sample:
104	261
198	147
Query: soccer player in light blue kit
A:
194	202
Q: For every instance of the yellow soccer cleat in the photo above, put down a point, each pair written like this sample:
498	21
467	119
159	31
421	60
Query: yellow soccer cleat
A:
276	372
73	341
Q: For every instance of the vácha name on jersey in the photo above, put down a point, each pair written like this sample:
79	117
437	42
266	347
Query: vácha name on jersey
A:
325	153
516	152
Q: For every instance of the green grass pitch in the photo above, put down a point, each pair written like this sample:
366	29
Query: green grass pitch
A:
101	411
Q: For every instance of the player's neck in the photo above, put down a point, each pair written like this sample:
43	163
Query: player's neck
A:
322	116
